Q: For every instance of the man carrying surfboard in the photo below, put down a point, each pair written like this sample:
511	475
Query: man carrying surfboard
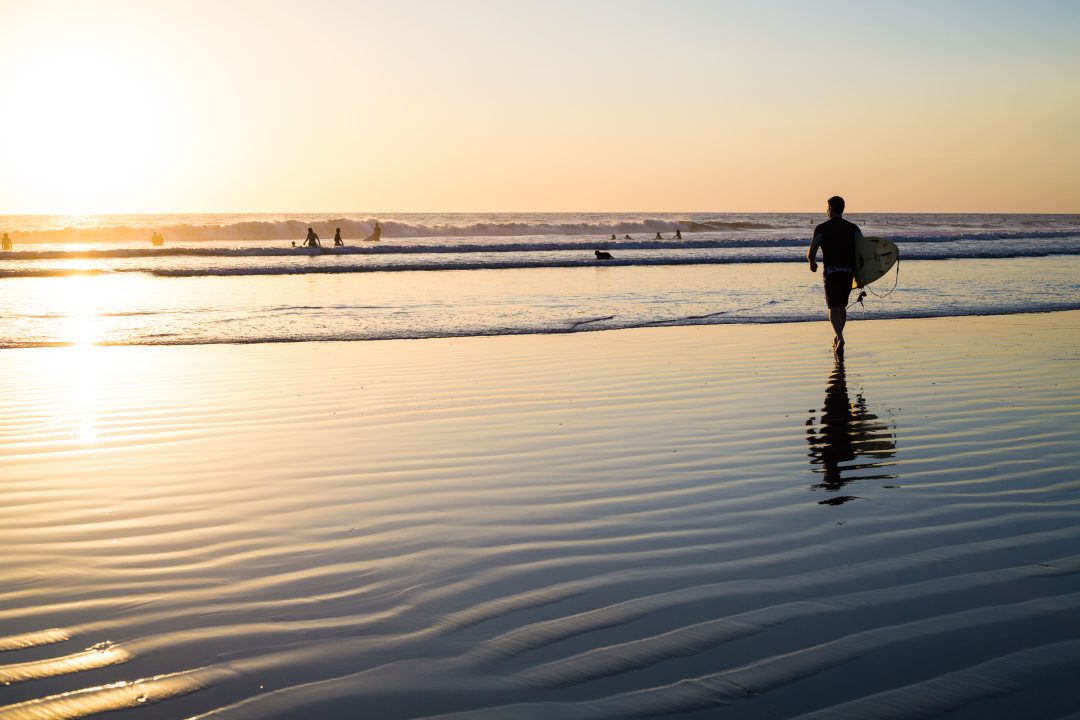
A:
836	237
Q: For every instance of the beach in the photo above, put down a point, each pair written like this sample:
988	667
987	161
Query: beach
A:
715	521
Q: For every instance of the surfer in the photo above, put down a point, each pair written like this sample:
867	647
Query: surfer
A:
337	238
312	239
659	236
6	242
376	233
678	234
836	237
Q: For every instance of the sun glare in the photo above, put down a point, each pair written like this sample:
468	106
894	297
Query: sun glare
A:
87	128
79	302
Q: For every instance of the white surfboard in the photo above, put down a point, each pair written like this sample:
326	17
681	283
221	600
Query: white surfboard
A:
874	256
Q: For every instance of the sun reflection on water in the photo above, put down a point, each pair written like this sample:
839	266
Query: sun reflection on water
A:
80	303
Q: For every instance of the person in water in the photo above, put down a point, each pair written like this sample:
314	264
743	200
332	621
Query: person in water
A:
337	238
376	234
836	237
678	234
626	237
659	236
613	236
312	239
5	244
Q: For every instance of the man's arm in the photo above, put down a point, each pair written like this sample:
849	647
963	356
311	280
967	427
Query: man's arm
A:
811	254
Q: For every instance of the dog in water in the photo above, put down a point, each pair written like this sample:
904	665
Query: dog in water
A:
603	255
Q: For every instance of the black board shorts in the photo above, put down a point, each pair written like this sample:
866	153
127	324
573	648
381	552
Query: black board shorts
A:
838	288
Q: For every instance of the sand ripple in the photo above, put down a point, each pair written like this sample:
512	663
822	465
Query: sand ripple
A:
692	522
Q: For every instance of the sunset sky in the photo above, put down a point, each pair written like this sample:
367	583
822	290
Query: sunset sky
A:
514	105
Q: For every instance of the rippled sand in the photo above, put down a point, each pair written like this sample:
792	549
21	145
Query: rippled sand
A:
714	521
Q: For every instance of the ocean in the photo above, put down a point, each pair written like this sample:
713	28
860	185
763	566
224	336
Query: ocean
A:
237	279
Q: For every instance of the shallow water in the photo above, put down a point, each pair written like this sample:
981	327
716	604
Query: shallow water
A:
141	309
641	523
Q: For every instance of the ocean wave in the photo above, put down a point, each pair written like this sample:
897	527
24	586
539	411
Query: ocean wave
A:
353	229
405	263
362	228
546	245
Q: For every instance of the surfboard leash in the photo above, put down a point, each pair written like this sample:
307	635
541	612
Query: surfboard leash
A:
896	279
880	296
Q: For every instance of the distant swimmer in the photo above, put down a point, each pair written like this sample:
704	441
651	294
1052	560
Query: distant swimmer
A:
836	237
337	238
613	236
603	255
678	234
312	239
157	240
659	236
626	238
375	234
6	242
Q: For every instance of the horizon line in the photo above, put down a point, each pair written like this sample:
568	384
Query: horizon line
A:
529	212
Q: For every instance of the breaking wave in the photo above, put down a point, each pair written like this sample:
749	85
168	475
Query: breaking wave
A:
362	228
961	243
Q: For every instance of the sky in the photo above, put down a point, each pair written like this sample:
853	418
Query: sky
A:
519	106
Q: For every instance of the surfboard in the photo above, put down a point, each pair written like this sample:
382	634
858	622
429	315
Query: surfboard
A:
874	257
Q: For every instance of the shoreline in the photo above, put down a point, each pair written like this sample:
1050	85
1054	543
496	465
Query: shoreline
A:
654	325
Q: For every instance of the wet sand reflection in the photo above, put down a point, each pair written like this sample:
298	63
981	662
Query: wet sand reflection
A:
847	441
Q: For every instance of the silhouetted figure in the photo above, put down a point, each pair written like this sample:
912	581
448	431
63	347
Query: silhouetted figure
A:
844	432
5	244
836	237
312	239
157	240
337	238
375	234
613	236
659	236
603	255
626	237
678	234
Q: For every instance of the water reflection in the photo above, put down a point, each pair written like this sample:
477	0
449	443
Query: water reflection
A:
847	441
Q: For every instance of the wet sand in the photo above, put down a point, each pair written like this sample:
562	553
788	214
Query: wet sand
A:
713	521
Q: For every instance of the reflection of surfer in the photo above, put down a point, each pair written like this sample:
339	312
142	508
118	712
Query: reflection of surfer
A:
836	237
842	433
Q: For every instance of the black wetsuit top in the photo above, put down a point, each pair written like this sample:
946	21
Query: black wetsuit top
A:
838	243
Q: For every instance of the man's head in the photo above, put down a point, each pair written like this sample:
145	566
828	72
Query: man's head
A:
836	206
